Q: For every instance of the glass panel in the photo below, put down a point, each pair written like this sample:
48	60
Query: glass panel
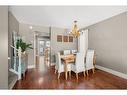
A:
41	47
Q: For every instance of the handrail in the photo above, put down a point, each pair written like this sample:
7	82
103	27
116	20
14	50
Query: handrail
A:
19	61
14	47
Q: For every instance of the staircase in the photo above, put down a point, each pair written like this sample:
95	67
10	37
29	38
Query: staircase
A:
14	72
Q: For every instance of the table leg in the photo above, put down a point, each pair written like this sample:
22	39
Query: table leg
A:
66	71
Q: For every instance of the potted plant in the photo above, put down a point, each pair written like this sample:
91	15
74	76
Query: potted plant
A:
24	46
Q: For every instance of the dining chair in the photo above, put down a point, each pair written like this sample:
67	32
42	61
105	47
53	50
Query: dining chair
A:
60	65
89	61
66	52
79	64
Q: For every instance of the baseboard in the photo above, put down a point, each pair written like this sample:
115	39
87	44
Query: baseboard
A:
119	74
31	66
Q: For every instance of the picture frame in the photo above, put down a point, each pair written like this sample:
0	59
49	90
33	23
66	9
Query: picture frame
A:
59	38
70	38
65	38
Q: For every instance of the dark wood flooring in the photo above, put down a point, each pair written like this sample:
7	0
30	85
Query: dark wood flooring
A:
45	78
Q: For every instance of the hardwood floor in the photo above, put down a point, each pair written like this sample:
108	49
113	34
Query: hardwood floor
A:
45	78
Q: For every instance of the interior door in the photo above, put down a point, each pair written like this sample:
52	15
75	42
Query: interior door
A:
41	47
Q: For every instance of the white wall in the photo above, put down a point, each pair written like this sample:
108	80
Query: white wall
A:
3	47
109	40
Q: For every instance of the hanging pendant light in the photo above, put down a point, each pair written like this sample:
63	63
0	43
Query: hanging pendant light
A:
75	32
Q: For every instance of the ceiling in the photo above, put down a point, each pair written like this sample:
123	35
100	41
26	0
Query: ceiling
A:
63	16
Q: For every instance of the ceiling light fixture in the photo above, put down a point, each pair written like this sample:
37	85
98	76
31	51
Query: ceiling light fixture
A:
75	32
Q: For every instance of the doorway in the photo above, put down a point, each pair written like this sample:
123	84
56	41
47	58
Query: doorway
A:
42	51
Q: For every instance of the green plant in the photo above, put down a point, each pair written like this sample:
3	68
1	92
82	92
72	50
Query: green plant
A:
23	45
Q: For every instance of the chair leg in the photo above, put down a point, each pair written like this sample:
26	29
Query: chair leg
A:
55	71
87	72
93	70
70	73
58	75
24	74
84	73
77	76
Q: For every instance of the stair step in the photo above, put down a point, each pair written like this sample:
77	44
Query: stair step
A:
12	79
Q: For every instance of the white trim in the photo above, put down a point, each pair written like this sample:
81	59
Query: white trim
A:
34	48
13	71
31	66
119	74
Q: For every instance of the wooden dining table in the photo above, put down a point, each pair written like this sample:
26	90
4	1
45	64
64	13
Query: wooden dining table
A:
67	59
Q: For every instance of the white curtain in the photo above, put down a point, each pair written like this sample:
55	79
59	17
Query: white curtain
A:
83	41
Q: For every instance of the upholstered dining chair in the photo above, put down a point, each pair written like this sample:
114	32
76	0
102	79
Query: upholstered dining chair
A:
89	61
60	65
79	64
66	52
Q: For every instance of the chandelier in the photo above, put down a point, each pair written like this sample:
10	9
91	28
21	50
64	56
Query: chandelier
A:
75	32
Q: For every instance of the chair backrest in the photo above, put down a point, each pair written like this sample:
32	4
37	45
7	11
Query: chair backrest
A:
79	63
89	58
73	51
58	60
66	52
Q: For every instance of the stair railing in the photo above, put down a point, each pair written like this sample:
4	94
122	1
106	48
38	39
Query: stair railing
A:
19	66
17	62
